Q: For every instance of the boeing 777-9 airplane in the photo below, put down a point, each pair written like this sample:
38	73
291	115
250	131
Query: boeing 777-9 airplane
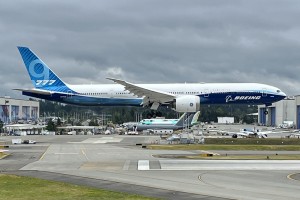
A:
182	97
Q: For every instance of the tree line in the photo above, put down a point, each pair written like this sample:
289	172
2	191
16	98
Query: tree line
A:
119	115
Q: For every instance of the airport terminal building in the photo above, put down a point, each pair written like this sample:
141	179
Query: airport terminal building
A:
12	110
284	111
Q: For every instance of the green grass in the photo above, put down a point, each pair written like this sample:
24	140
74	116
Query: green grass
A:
2	155
16	188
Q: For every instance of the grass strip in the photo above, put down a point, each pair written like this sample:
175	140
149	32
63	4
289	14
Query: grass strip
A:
26	188
3	155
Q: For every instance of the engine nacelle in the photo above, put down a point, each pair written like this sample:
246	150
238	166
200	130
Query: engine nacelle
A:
187	103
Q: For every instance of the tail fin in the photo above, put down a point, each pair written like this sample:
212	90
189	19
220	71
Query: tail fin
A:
40	74
181	120
188	119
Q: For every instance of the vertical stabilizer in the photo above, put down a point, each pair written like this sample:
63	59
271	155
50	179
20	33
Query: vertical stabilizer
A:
41	75
181	120
195	118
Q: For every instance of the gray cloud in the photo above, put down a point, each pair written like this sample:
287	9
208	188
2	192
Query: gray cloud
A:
145	41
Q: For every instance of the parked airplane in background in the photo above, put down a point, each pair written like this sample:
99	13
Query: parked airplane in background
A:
155	121
184	97
251	133
186	120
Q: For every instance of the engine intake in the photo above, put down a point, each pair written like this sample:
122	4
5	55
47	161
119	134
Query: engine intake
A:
187	103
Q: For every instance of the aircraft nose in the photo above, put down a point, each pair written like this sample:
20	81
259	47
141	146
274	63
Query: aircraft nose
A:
282	94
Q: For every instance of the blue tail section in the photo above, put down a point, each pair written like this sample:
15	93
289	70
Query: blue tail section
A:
40	74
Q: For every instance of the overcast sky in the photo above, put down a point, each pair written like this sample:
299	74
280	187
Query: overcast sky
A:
153	41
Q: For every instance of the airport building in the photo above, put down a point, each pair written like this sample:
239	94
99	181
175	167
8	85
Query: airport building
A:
13	110
285	112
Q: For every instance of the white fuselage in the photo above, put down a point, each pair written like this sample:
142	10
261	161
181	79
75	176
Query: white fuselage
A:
178	89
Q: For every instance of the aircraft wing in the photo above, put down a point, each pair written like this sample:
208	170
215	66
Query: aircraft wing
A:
149	96
243	134
263	134
36	91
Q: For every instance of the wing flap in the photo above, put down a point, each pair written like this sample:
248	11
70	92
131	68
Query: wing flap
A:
149	95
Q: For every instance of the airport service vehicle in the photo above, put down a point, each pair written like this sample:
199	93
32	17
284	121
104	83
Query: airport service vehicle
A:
16	141
182	97
29	142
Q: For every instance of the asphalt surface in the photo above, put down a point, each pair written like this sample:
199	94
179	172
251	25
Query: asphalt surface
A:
115	163
22	155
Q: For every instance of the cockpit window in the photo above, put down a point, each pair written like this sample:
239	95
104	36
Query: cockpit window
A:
278	91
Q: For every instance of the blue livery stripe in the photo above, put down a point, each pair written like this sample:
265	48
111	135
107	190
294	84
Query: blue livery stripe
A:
40	74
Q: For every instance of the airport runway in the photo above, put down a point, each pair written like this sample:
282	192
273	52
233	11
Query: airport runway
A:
117	159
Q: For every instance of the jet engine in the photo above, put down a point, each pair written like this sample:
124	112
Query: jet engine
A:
187	103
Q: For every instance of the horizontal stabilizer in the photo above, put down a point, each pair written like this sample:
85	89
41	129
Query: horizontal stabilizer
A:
35	91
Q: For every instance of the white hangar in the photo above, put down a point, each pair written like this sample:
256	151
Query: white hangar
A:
12	110
287	110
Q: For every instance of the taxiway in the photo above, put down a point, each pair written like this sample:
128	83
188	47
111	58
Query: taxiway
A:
117	161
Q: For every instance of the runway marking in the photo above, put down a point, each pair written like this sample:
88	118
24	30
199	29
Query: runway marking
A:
102	140
126	165
290	177
154	165
82	151
143	165
42	157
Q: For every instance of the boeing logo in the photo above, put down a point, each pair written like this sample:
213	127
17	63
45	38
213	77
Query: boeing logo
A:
229	98
247	97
